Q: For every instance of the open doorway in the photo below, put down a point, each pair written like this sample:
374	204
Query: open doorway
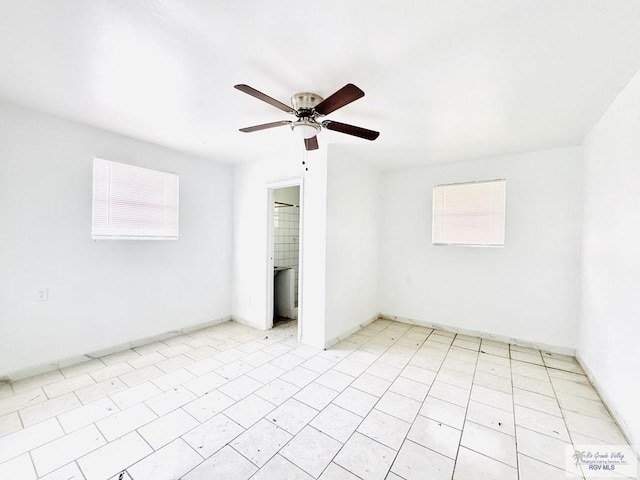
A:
285	257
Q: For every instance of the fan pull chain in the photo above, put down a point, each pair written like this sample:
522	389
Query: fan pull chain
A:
305	156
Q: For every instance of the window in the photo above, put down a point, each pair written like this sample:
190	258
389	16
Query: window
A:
133	203
471	214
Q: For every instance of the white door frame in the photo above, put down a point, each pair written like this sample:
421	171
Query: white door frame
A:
292	182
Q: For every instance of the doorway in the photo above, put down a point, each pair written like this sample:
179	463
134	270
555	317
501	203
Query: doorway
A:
284	266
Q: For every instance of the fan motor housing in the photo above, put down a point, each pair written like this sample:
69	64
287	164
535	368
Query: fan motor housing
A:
305	101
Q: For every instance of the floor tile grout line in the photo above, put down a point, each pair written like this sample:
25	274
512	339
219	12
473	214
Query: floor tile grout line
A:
332	458
466	412
22	424
33	464
513	406
547	435
247	459
490	428
75	462
554	466
66	434
254	424
326	466
155	451
80	468
491	458
228	444
564	420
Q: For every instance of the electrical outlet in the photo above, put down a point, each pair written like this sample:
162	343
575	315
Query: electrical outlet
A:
42	295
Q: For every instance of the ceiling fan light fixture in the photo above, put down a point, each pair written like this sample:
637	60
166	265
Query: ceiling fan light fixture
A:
308	109
305	129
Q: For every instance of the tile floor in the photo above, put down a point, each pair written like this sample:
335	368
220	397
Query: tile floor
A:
229	402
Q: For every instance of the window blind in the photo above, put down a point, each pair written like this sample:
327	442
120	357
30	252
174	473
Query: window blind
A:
133	202
469	213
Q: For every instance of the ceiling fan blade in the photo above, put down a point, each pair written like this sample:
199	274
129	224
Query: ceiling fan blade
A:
311	143
342	97
265	98
350	130
264	126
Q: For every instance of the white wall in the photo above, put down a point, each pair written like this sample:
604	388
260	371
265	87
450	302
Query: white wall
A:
527	290
251	268
101	293
353	211
609	328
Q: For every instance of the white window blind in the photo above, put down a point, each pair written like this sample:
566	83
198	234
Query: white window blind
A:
469	213
133	203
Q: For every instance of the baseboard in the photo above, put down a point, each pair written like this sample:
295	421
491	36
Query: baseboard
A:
331	342
210	323
606	399
489	336
243	321
610	405
73	360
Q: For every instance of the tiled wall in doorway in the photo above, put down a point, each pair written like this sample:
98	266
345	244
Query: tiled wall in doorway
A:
286	221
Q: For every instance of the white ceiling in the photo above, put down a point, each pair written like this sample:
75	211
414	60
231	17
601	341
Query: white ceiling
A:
445	80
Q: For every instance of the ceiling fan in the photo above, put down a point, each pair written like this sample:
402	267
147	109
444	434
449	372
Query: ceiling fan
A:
308	109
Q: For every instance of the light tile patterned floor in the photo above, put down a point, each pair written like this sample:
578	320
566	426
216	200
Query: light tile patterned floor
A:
229	402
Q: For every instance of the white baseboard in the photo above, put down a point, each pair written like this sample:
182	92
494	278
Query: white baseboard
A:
235	318
476	333
606	399
610	405
489	336
68	361
348	333
210	323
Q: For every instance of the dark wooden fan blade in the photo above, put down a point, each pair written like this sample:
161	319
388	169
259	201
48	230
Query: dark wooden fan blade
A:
265	98
264	126
311	143
351	130
342	97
